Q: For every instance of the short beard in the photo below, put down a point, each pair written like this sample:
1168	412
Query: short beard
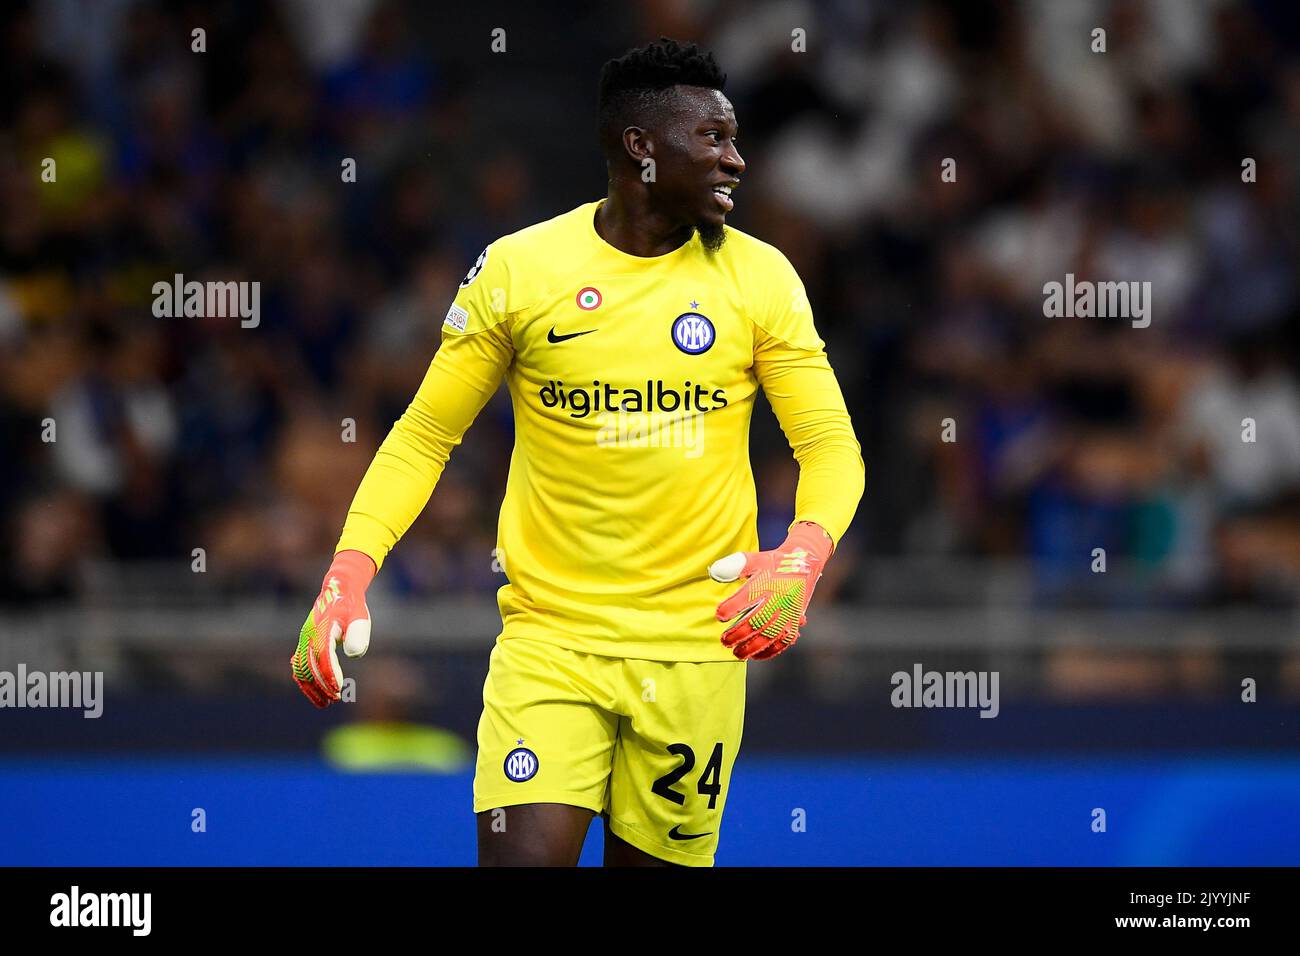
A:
712	235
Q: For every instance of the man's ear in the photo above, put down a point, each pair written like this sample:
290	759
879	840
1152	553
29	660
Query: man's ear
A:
638	143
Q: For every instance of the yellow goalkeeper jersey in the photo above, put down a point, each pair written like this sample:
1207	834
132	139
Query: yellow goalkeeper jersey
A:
632	381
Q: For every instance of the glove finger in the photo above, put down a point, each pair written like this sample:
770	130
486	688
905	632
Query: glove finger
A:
746	648
324	660
305	671
335	682
752	647
300	667
308	687
764	619
319	700
357	639
741	602
779	646
731	568
742	629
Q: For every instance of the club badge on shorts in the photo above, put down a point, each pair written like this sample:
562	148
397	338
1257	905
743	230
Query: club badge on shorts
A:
521	764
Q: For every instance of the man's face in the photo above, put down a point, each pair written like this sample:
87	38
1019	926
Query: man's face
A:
696	162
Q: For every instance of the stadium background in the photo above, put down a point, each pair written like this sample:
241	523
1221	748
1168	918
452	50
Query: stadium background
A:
1119	690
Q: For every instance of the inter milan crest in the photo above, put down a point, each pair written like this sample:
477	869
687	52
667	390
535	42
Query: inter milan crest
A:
521	764
692	333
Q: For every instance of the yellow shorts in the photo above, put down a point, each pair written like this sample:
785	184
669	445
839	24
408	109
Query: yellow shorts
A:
651	742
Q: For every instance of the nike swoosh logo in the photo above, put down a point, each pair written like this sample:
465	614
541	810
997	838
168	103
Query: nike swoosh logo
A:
553	338
676	834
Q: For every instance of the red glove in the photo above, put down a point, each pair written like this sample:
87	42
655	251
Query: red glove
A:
340	613
774	600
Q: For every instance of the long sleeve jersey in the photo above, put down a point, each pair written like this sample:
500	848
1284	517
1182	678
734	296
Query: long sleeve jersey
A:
633	382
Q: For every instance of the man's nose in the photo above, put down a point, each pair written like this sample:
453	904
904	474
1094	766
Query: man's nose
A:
731	159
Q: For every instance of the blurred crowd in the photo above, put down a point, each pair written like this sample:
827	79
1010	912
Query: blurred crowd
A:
988	428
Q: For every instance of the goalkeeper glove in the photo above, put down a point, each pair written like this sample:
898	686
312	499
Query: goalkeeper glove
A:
340	613
773	602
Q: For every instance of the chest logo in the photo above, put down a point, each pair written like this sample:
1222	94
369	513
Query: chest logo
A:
693	333
589	299
552	337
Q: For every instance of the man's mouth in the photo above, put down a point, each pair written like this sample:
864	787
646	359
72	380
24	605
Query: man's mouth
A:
722	192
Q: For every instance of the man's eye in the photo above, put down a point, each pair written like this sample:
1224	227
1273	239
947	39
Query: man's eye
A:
715	134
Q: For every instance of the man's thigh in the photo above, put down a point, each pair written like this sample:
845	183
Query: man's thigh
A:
545	747
532	834
676	747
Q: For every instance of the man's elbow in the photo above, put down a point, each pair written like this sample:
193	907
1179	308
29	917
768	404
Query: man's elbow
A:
841	454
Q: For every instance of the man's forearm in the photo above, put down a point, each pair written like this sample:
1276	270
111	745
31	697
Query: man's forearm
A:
802	389
832	478
462	377
396	486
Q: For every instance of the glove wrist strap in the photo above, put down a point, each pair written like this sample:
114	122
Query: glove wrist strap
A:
354	567
813	537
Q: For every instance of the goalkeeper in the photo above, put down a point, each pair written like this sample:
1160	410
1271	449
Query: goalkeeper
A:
633	334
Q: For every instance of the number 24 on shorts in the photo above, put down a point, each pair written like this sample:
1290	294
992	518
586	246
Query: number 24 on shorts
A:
710	783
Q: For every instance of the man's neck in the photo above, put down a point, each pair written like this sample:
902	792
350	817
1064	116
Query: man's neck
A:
630	225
